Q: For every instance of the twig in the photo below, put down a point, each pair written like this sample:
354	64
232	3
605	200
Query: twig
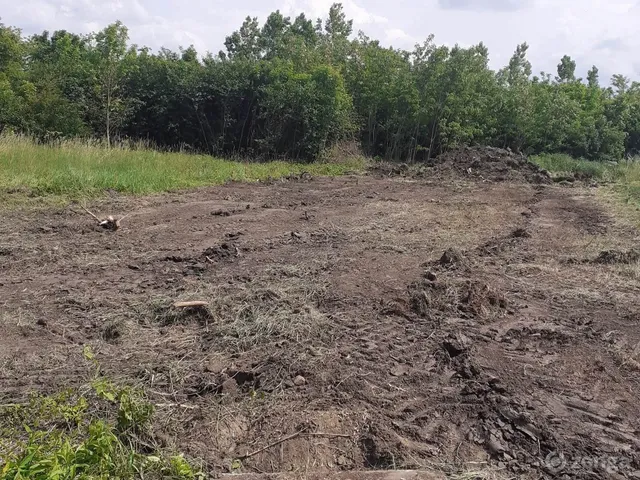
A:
86	210
330	435
181	405
277	442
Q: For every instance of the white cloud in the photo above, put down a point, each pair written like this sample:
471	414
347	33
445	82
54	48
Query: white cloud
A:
360	15
393	34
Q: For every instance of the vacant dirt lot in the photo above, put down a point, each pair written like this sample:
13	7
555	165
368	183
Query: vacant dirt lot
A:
380	323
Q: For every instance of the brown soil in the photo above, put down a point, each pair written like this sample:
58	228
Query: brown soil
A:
487	164
378	323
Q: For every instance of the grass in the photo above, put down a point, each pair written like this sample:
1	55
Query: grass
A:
82	168
625	176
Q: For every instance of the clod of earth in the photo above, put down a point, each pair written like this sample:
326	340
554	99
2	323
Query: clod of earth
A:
221	213
452	258
223	251
520	233
617	256
456	344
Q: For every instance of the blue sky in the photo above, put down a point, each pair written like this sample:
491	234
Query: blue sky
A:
600	32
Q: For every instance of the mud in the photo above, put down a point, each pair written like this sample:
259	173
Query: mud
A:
379	323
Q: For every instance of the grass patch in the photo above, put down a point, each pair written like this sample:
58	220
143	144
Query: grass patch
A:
81	168
625	176
101	431
565	165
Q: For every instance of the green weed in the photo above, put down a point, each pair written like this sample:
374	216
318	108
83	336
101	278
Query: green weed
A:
91	435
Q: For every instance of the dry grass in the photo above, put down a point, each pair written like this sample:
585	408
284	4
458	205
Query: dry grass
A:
266	310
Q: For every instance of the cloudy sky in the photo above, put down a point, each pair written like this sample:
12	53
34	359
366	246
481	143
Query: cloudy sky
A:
600	32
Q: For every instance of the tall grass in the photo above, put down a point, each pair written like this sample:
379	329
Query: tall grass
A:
625	175
75	168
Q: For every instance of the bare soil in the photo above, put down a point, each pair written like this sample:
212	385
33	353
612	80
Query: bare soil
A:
485	164
356	323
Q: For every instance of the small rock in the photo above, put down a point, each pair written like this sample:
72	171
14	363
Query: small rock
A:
456	344
42	322
215	366
494	445
299	381
399	370
342	460
229	386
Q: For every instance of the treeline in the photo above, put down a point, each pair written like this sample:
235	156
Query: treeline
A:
294	88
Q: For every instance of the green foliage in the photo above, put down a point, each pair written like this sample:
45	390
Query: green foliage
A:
295	88
92	435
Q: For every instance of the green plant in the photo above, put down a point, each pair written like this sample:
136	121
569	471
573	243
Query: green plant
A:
90	435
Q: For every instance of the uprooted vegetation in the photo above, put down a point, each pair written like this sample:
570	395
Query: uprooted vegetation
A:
332	325
100	430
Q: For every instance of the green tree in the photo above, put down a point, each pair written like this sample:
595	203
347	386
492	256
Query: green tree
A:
593	79
245	42
566	70
110	50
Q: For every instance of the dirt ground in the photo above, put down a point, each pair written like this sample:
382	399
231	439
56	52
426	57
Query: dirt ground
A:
357	323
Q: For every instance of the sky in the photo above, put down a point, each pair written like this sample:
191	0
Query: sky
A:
592	32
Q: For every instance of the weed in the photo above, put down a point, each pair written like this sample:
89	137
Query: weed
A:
73	435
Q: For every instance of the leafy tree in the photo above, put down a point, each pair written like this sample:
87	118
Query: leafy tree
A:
273	36
566	70
293	88
13	86
245	43
109	51
593	79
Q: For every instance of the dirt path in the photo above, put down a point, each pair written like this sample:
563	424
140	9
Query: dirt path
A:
334	317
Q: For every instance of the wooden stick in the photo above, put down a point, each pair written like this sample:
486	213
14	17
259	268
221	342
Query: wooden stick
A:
85	209
330	435
291	437
277	442
195	303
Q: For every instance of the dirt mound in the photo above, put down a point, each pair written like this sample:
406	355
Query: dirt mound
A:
490	164
454	293
487	164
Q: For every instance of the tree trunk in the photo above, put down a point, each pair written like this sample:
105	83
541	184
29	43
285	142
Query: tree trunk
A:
108	118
